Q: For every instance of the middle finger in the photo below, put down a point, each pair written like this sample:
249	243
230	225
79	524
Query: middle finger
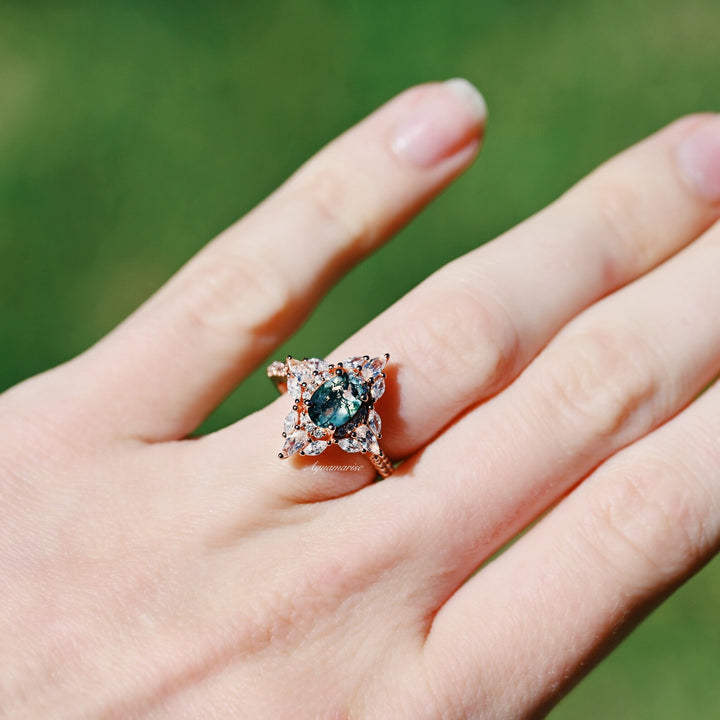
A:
465	333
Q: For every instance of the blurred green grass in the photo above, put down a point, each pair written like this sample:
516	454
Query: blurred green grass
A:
132	132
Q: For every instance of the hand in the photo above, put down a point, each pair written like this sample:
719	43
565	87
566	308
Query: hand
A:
149	576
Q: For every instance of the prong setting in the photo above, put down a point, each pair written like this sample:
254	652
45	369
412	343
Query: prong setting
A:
333	404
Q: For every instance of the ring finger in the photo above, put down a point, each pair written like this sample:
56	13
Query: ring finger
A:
468	330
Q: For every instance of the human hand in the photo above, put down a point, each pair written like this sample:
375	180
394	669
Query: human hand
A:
149	576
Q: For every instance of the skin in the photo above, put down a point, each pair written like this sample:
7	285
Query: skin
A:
149	576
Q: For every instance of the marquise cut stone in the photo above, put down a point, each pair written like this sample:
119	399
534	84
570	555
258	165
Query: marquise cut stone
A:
316	447
366	438
374	422
293	387
378	388
295	442
373	367
299	369
355	361
291	421
350	445
316	364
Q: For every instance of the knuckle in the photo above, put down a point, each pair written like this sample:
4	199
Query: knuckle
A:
233	292
617	205
603	381
326	192
461	334
681	122
647	524
43	415
289	606
33	443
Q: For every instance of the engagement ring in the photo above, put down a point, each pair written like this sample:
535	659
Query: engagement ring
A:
333	403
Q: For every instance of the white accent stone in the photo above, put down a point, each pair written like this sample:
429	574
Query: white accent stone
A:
374	422
293	387
317	364
300	370
367	439
378	388
355	361
316	447
350	445
373	367
295	442
315	431
318	380
291	420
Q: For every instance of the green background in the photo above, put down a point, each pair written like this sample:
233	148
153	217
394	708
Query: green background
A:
132	132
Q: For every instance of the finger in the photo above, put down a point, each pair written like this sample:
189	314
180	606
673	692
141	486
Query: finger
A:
616	372
473	326
466	332
170	363
545	611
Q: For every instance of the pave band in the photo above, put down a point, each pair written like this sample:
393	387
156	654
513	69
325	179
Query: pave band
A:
333	404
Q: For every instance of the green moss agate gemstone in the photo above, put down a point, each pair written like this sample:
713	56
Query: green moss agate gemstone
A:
336	401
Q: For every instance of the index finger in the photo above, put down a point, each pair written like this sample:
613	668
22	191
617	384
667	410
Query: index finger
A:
163	370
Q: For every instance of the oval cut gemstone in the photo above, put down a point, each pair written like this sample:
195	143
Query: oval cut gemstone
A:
336	401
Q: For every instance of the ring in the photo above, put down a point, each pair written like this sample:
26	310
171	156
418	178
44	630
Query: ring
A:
333	404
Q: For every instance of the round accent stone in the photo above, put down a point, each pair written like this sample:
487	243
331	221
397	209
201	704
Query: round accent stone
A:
336	401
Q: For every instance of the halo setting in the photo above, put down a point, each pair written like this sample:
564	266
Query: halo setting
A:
333	403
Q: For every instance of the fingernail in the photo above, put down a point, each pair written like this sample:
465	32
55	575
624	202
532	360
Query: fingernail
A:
699	159
446	122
